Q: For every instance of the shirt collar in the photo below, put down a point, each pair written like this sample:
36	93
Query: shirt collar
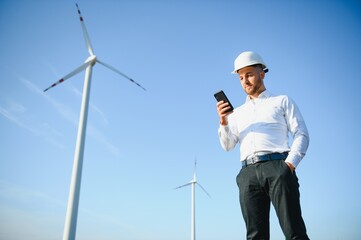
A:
264	95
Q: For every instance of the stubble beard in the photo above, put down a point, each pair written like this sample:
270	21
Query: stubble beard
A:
254	90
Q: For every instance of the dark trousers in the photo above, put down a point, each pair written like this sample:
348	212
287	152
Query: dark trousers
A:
259	185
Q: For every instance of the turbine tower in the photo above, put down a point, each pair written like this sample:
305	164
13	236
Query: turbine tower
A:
193	182
74	193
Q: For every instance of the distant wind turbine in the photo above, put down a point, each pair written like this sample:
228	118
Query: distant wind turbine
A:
193	182
74	193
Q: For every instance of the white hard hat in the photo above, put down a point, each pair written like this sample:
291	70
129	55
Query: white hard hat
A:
246	59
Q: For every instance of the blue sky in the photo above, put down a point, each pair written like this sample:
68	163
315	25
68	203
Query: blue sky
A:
141	145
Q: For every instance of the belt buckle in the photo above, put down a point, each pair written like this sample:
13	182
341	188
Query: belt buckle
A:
253	160
250	161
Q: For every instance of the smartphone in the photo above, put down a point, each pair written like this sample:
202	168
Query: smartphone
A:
221	96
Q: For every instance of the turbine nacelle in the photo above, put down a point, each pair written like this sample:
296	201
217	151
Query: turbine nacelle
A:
92	59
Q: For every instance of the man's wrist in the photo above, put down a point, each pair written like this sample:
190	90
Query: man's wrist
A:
290	165
224	122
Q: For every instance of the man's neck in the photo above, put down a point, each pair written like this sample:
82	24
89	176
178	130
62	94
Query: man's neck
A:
253	96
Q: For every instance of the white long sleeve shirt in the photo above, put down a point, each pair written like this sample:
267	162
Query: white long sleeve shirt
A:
262	125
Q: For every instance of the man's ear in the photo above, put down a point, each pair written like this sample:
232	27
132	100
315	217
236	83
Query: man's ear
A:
262	74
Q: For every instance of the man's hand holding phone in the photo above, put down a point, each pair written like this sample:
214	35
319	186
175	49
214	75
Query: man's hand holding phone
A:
224	107
223	112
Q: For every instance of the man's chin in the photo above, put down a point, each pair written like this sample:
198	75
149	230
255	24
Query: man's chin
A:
249	91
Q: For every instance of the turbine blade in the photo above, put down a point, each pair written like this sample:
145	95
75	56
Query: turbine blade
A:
184	185
85	32
117	71
77	70
205	191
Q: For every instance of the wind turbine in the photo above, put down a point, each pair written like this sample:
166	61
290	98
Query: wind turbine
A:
193	182
74	193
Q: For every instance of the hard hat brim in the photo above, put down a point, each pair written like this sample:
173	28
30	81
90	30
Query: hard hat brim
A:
264	67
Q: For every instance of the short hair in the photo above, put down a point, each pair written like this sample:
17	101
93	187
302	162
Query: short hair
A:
261	66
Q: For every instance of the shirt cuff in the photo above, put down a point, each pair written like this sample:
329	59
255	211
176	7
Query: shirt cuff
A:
294	158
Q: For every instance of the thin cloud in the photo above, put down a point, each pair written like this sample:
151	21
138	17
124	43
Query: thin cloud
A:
17	193
66	112
26	196
93	107
70	115
17	114
100	137
8	113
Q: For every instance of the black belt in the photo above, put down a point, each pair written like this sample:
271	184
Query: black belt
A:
263	158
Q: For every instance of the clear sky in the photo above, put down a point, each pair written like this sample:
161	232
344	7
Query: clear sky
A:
140	145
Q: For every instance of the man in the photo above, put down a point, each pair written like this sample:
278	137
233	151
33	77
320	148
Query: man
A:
261	127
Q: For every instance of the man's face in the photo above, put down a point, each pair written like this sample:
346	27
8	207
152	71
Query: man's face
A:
251	79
